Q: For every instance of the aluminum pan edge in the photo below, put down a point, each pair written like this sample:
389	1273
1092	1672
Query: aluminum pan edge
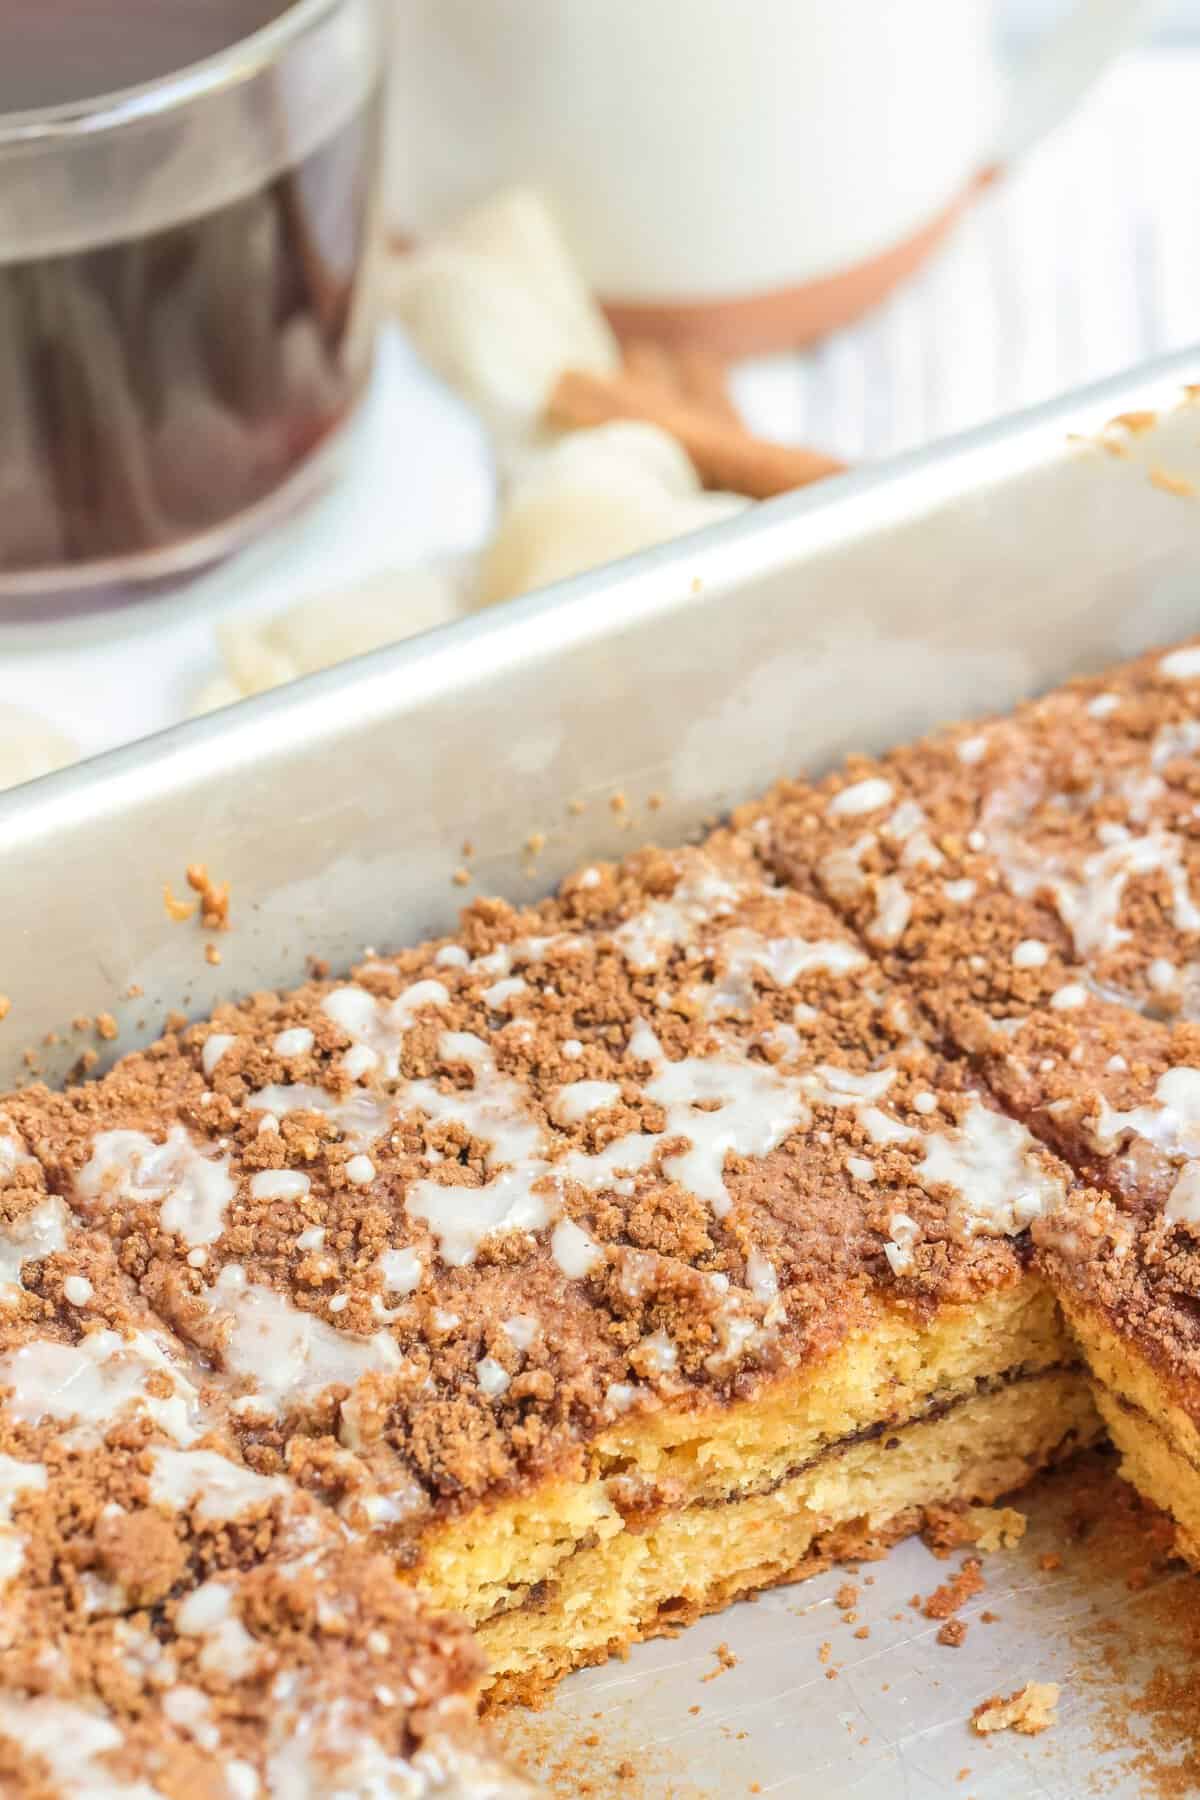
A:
950	580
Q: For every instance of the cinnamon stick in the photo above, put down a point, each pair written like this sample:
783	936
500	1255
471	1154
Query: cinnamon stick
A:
725	456
688	373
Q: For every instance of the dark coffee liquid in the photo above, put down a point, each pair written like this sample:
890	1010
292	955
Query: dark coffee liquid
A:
153	388
59	51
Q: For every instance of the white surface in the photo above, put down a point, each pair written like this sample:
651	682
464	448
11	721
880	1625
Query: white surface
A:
785	154
1084	260
894	1722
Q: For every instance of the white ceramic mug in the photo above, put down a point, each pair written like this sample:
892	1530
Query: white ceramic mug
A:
749	175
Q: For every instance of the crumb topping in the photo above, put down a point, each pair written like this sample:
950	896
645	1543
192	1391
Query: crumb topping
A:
675	1122
1023	861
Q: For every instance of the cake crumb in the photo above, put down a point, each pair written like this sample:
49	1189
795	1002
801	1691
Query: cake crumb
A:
461	877
1030	1710
618	802
725	1660
214	897
952	1594
846	1596
1172	484
864	1631
177	909
1050	1559
999	1527
133	992
987	1527
106	1026
5	1006
625	1770
987	1617
953	1633
212	955
535	843
575	807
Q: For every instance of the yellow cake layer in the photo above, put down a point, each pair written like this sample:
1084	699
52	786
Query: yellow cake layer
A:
1158	1440
617	1588
685	1509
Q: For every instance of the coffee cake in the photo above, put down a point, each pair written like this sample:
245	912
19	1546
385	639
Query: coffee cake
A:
176	1623
609	1259
602	1263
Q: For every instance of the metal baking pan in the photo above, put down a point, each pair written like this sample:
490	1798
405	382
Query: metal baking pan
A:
638	702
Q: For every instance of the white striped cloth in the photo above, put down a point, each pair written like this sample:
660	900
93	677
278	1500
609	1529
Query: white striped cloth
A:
1083	259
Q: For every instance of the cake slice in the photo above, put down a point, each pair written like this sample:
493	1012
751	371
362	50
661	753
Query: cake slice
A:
174	1623
1119	1095
319	1677
601	1263
1020	862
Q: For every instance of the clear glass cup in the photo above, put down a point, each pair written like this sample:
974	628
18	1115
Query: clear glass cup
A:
187	306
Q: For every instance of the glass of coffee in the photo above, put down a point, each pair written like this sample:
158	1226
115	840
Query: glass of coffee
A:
188	200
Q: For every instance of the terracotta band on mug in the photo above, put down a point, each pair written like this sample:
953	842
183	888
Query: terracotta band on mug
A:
786	318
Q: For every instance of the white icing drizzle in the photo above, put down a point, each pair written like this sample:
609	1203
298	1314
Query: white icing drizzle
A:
1183	1202
1171	1122
493	1112
990	1160
279	1184
521	1330
360	1170
893	910
579	1099
379	1026
501	992
756	1110
362	1116
574	1250
38	1233
493	1376
290	1355
1030	953
191	1190
69	1739
97	1380
740	953
700	898
1090	905
401	1271
659	1354
841	870
216	1488
297	1040
899	1247
16	1478
1182	664
228	1647
959	892
830	1086
861	797
215	1046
